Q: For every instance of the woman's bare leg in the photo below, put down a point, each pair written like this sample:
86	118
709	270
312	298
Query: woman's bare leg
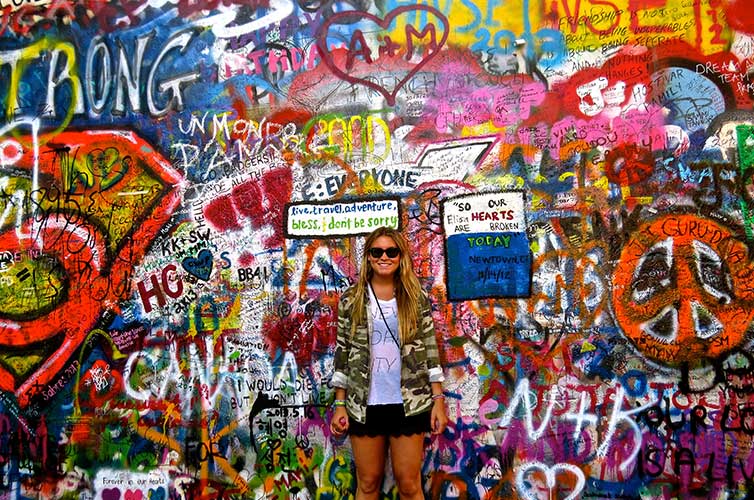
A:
407	453
369	454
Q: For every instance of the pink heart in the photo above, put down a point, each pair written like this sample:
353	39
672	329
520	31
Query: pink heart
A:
133	495
111	494
327	56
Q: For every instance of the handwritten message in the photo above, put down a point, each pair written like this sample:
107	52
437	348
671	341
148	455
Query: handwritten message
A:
115	485
487	251
330	220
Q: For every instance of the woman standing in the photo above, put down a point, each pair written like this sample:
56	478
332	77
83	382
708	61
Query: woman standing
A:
388	379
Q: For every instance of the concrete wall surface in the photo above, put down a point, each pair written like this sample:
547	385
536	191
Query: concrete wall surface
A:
185	187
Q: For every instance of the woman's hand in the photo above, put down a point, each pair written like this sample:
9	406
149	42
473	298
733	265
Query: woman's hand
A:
438	417
339	421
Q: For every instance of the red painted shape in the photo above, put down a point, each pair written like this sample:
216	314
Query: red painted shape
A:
738	15
307	335
221	214
629	164
341	67
256	203
291	115
278	185
247	199
96	263
100	384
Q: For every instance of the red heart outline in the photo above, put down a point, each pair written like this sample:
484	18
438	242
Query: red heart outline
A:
383	23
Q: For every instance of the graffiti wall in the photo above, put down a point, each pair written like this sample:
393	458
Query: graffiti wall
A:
184	192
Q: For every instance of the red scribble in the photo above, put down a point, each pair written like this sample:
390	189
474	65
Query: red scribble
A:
278	186
738	15
5	14
256	202
629	164
247	199
307	335
340	62
100	384
240	107
299	117
221	214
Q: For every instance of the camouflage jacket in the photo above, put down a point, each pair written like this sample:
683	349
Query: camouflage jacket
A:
420	361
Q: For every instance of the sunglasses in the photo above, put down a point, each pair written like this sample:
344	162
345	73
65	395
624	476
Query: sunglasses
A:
391	252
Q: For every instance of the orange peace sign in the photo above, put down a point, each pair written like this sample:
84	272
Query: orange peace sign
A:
684	289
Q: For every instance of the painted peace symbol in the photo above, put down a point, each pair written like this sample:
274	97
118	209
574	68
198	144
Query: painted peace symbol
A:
684	290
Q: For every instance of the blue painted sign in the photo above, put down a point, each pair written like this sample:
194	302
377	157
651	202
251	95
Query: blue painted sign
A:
487	251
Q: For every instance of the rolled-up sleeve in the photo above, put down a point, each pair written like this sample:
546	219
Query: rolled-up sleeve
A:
342	347
436	373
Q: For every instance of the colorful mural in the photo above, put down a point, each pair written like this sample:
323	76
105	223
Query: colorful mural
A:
184	190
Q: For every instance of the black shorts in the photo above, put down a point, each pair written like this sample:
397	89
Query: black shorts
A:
390	420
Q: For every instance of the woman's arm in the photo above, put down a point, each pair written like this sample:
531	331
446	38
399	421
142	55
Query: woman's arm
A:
339	421
342	347
439	417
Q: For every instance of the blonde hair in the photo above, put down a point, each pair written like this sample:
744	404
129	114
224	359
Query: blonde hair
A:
407	287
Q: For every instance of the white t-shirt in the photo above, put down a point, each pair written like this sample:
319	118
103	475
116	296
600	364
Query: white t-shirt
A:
385	380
